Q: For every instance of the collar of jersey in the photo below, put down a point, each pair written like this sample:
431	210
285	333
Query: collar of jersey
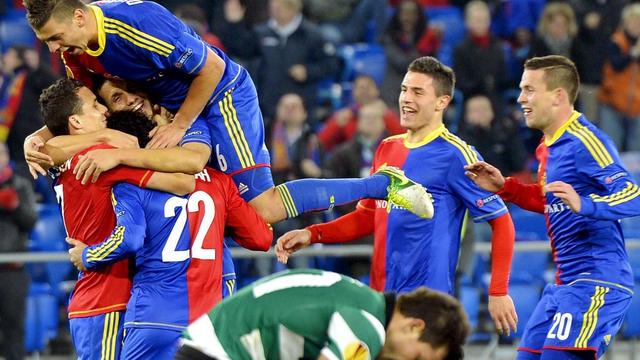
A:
427	139
102	37
575	115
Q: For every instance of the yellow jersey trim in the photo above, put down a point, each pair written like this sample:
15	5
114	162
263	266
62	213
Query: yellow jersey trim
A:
470	156
595	147
137	37
427	139
108	246
102	309
574	116
102	36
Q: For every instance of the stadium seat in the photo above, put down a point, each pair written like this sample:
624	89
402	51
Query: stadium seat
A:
525	297
450	19
631	228
367	59
530	267
634	260
14	30
41	322
470	299
453	115
529	225
631	326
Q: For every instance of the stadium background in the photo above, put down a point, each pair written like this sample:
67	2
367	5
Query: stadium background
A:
355	53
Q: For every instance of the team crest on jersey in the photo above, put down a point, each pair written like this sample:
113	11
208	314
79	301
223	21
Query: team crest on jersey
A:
610	179
482	202
356	351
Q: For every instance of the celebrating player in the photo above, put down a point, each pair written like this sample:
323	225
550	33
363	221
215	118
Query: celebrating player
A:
583	190
211	95
409	252
177	268
312	314
99	298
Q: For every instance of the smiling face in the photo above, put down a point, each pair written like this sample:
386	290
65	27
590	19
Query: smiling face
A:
66	34
118	98
535	99
419	103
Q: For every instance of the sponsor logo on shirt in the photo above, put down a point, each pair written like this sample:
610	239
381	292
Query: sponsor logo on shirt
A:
555	208
610	179
242	188
482	202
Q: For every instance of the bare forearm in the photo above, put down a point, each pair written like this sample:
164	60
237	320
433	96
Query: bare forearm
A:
171	160
179	184
200	91
62	148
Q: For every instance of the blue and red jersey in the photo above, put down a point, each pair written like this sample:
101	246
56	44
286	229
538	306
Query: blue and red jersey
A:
589	245
88	215
143	42
409	251
178	247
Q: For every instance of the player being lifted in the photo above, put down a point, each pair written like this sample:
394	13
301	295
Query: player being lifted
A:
210	95
409	252
177	243
312	314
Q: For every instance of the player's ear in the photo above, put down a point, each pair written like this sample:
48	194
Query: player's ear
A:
442	102
74	122
415	326
79	17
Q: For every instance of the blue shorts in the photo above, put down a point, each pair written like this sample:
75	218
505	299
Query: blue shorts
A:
150	343
228	273
234	130
585	315
98	337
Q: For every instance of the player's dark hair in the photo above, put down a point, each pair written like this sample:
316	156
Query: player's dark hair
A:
58	102
443	77
133	123
40	11
559	72
445	321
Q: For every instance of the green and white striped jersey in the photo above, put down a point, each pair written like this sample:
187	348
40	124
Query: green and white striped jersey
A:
296	314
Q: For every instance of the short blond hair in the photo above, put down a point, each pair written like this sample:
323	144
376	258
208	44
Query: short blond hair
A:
554	9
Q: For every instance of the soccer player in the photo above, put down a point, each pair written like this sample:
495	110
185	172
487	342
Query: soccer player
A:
583	190
408	252
313	314
210	94
177	244
99	299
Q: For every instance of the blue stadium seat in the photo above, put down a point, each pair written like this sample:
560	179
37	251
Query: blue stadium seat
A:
529	225
631	327
631	228
41	322
367	59
634	260
470	299
14	30
525	297
530	267
452	23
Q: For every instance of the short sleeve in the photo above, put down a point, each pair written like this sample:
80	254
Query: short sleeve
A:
482	205
198	133
353	334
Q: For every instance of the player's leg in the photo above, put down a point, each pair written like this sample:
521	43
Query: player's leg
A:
148	343
98	337
551	354
237	133
589	315
536	329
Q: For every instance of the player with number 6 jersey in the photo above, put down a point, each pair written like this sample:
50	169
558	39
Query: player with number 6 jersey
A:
177	243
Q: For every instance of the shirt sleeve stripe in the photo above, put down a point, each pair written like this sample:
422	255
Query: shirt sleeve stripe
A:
593	144
139	34
468	153
630	192
135	42
108	247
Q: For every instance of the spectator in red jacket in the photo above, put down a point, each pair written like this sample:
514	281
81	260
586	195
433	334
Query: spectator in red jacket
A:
343	124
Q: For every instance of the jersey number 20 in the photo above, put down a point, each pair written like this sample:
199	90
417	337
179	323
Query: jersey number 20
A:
169	252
